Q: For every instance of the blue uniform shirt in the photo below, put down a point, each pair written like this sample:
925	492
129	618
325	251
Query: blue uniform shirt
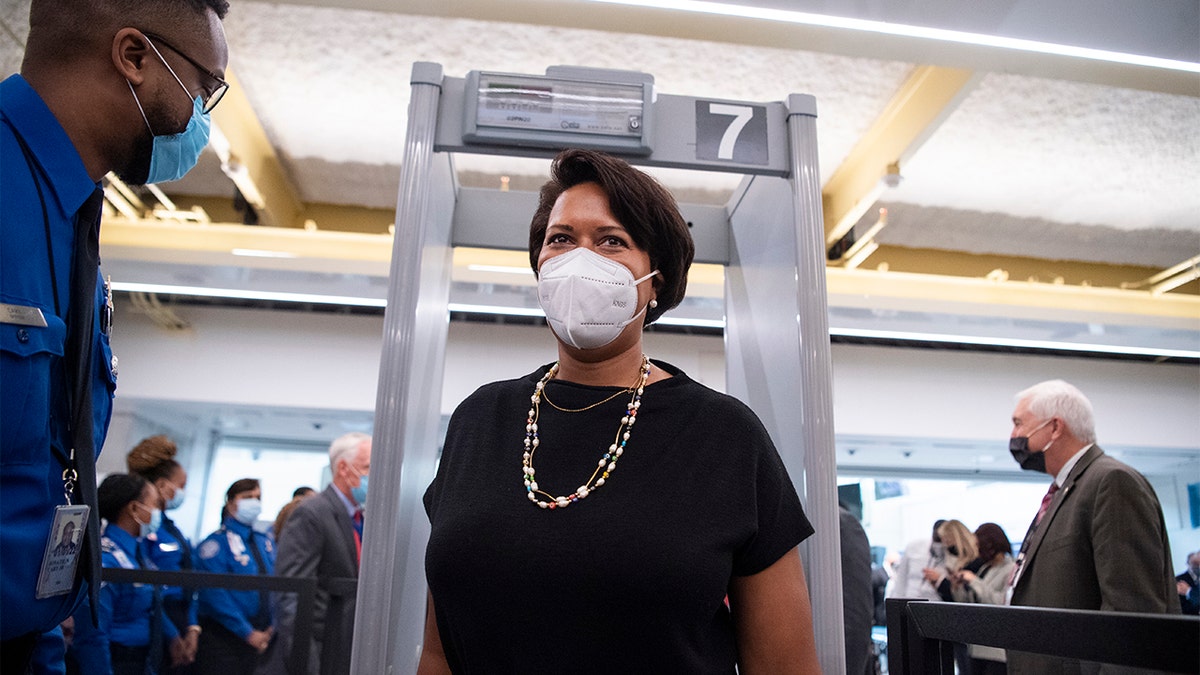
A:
170	551
33	384
227	551
126	610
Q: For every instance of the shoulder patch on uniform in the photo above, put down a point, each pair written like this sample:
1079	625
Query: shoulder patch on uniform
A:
209	549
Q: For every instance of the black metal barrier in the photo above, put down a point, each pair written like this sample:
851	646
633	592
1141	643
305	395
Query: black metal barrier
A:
921	635
305	589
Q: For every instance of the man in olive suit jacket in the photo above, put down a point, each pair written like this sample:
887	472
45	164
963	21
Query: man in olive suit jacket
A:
1100	541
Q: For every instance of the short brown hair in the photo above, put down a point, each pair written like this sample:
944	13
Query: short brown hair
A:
643	207
992	540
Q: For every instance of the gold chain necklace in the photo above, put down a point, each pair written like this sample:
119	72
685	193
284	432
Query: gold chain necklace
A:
546	396
607	463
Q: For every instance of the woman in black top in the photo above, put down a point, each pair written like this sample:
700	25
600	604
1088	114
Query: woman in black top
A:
668	545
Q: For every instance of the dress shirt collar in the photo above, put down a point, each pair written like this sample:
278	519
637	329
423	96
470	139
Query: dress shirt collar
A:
351	507
1066	470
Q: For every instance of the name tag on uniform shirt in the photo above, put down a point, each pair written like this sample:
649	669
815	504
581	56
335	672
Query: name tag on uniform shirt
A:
22	315
57	576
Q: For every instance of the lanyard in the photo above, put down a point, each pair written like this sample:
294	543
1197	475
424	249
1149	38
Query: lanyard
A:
70	474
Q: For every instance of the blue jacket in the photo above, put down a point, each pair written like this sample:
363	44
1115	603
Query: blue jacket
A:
227	551
170	551
34	263
126	610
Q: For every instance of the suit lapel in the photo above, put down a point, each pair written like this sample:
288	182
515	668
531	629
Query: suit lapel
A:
345	526
1059	499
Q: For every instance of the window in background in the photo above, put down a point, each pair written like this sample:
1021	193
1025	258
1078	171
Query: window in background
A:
899	510
280	468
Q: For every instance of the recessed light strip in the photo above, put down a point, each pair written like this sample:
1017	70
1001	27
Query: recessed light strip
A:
240	294
1012	342
497	310
904	30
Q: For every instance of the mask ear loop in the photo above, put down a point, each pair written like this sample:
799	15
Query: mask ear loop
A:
652	304
139	105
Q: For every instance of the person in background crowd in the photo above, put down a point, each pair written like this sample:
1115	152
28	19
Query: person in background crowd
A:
961	552
879	582
612	571
1187	583
858	597
96	93
154	459
300	494
325	540
1099	541
132	625
909	579
986	581
237	625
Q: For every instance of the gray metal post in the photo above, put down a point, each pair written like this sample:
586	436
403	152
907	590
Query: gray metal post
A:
816	372
777	351
391	593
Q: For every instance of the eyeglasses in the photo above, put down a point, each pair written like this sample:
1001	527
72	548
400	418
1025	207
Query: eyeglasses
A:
214	97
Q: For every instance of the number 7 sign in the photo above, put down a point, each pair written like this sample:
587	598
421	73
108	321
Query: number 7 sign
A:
731	132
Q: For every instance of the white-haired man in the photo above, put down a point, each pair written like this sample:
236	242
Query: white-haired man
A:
1099	540
324	539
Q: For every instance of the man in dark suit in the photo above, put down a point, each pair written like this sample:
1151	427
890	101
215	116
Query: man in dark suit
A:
1099	541
858	596
323	538
1187	583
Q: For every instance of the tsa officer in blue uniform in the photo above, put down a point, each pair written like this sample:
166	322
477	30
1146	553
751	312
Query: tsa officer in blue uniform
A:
168	548
95	94
132	623
237	625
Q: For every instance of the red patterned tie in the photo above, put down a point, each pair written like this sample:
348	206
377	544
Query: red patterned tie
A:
358	524
1045	503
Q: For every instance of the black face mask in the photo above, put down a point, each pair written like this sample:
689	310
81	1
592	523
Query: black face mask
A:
1030	461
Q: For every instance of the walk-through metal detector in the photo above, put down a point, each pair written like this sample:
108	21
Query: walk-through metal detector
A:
769	236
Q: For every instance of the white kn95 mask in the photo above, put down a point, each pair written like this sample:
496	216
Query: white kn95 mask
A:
588	299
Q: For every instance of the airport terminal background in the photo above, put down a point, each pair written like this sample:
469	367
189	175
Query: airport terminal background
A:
260	392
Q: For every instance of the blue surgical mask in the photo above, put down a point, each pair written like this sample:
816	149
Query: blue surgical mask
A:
176	499
147	529
174	155
360	493
248	511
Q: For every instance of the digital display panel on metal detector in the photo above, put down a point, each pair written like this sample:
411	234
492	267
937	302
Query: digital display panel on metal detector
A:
555	112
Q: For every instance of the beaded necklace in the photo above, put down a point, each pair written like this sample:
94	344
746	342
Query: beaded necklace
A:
607	463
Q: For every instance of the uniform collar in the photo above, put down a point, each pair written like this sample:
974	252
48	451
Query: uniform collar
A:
52	149
121	538
233	525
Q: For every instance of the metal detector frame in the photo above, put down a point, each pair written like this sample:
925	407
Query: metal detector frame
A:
776	335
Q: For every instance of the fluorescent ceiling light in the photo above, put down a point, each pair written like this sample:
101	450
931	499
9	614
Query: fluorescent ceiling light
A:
260	253
497	310
241	294
903	30
494	310
1012	342
503	269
